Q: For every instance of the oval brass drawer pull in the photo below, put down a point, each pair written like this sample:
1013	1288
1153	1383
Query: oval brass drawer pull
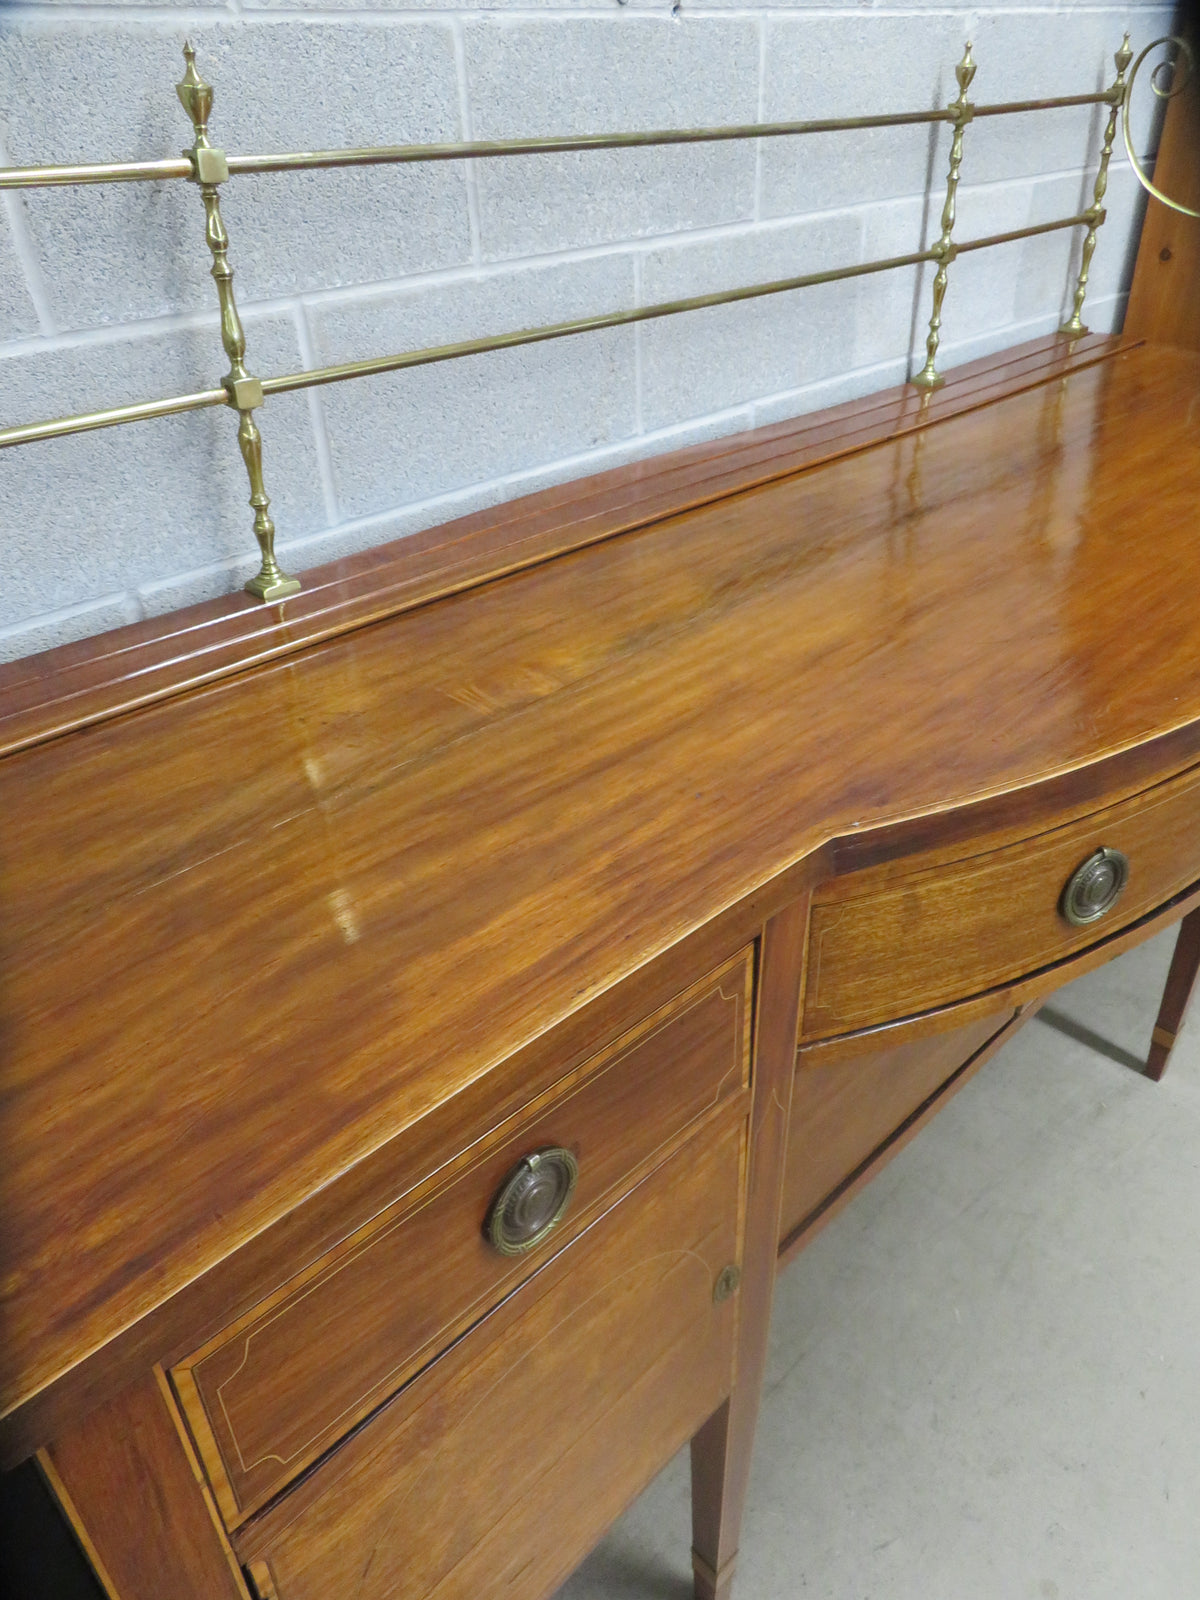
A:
1094	887
532	1200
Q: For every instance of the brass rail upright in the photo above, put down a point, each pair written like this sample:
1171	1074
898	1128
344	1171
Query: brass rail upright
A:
245	393
1073	327
944	251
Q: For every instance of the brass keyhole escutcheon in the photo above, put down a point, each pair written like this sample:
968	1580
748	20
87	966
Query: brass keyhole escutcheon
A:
727	1282
1094	887
532	1200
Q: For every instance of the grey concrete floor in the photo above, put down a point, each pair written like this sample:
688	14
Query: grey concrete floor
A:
984	1379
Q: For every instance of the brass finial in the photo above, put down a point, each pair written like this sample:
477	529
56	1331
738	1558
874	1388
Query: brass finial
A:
1122	58
195	96
964	72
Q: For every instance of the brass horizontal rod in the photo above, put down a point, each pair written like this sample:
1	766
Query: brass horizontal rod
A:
1081	220
1007	108
374	365
29	433
383	155
96	172
401	154
88	421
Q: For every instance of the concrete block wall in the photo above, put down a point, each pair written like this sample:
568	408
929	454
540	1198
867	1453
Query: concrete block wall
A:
105	297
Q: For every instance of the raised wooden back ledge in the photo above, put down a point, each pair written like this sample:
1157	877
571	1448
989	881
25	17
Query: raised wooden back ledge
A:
77	684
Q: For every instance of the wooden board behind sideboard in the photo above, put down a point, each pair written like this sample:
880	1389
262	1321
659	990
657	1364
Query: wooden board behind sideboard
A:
1164	299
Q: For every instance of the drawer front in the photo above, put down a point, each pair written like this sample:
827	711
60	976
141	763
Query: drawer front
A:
848	1102
932	937
272	1392
498	1468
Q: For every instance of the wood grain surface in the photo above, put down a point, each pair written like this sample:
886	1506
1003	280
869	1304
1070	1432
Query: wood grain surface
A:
256	932
1024	993
721	1450
541	1425
962	927
264	1398
77	684
329	1216
129	1485
811	1224
846	1101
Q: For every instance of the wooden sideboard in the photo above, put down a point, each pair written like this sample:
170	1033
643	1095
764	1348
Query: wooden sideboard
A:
433	1005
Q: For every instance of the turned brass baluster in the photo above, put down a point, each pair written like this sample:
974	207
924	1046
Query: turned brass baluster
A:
945	250
1073	328
209	167
244	392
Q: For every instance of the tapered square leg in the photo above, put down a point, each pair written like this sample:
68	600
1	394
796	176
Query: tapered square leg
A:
1181	980
714	1489
721	1449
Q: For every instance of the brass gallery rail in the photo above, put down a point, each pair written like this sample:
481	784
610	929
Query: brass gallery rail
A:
209	167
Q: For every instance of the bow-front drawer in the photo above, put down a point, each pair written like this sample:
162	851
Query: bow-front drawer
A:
891	944
278	1387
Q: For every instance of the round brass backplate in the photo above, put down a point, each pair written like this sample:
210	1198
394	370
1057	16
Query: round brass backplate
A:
532	1200
1094	887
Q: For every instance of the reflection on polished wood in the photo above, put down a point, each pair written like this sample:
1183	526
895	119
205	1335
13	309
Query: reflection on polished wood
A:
307	912
77	684
739	685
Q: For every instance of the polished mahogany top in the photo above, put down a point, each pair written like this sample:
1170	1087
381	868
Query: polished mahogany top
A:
254	931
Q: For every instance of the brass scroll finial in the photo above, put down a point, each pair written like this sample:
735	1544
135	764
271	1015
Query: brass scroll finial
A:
244	392
1175	79
960	111
1074	327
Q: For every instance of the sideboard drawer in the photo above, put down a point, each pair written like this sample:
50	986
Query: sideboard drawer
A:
498	1468
882	950
282	1384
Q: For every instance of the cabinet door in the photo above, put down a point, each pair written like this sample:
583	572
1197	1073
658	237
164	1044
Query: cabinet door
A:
263	1398
852	1100
498	1469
